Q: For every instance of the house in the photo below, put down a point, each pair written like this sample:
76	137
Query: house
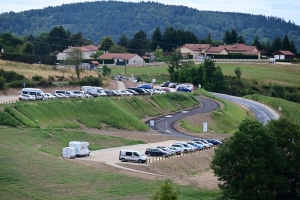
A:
123	58
220	50
282	54
87	51
240	49
193	49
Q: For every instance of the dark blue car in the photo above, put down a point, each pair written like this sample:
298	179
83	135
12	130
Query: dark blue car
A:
183	89
213	141
145	86
155	152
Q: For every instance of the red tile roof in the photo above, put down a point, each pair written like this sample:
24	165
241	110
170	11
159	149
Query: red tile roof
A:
251	53
284	52
240	47
91	47
215	49
123	56
94	63
197	47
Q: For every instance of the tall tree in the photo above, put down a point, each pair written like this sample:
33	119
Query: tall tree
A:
293	48
156	39
117	49
139	43
233	36
58	39
77	40
41	45
247	164
175	64
241	39
276	45
75	57
227	38
27	48
170	39
208	39
256	43
285	43
124	41
105	43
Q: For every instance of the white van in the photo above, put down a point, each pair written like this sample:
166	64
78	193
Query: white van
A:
68	152
66	93
81	148
130	155
38	93
94	91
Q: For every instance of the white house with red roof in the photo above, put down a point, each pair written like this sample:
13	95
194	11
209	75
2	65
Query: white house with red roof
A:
87	51
128	58
193	49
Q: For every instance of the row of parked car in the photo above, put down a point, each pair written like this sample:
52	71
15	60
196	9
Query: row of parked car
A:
177	148
185	87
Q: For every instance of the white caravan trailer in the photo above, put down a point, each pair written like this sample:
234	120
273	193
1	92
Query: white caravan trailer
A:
38	93
68	152
81	148
94	91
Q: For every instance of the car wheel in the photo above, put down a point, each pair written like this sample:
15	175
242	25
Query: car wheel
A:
149	154
185	151
123	160
140	161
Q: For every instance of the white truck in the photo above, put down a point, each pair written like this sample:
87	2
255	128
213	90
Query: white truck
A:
94	91
81	148
68	152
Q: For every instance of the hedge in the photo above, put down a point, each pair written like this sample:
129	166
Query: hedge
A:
100	61
234	56
30	59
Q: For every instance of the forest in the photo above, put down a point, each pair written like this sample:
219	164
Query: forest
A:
96	20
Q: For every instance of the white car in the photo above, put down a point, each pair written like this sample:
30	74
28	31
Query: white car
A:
181	147
190	147
203	144
50	96
78	93
26	97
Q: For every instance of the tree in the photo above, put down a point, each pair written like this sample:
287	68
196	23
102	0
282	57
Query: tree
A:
227	38
77	40
123	41
241	39
256	43
238	72
27	48
41	45
105	43
97	54
139	43
288	141
293	48
158	54
248	163
233	36
156	39
285	43
75	57
117	49
175	64
106	71
170	39
58	39
276	45
166	190
208	39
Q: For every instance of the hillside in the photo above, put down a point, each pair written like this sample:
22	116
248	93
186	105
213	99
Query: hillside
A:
101	18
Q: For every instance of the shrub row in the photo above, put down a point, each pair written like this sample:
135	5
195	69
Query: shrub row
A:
48	60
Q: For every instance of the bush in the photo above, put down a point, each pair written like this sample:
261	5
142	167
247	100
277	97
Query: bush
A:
37	78
6	119
166	191
11	76
2	83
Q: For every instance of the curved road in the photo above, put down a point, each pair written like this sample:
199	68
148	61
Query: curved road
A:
165	124
262	112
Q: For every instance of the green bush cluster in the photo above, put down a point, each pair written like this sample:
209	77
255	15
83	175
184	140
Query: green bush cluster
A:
235	56
6	119
90	80
49	60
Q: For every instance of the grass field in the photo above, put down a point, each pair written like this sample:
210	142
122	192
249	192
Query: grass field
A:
26	173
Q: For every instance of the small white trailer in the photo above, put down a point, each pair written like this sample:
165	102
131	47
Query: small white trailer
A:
81	148
68	152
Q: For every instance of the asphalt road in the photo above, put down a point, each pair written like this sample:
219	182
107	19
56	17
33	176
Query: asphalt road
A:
165	124
262	112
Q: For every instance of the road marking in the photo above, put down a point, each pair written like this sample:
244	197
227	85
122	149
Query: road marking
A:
184	111
168	131
168	116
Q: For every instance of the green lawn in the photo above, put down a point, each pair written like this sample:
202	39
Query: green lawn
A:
27	173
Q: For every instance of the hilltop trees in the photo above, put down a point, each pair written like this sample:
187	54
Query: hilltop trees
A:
156	39
106	43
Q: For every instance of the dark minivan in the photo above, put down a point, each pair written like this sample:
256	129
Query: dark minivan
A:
138	90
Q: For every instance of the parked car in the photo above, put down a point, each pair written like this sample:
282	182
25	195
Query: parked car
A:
26	97
181	147
139	90
132	91
190	147
78	93
165	84
156	152
198	146
176	150
203	141
145	86
167	149
214	142
50	96
203	144
130	155
183	88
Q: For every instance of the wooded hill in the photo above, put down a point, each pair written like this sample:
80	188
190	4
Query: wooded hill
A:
101	18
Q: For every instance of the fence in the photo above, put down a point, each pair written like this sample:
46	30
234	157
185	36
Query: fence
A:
8	102
160	158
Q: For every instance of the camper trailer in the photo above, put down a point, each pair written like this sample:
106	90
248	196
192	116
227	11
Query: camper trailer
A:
38	93
81	148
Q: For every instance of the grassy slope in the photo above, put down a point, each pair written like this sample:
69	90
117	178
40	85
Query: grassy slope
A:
122	113
27	173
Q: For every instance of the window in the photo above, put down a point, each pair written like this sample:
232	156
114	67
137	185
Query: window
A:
128	153
24	92
135	153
